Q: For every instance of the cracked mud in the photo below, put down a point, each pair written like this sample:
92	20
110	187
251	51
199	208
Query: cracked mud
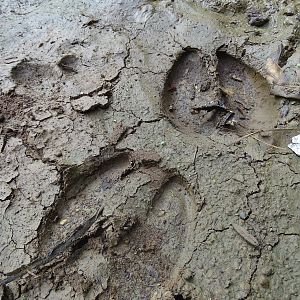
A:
143	149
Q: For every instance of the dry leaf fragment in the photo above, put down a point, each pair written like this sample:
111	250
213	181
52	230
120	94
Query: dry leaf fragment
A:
274	71
63	221
246	235
227	91
295	145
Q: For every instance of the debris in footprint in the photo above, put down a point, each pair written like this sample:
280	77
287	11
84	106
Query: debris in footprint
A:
280	85
274	71
191	96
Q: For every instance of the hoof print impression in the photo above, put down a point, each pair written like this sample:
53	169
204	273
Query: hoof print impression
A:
203	94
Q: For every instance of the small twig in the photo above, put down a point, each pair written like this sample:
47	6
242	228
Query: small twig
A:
261	131
249	134
280	129
32	274
271	145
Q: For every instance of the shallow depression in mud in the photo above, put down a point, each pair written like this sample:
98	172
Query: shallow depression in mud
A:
248	94
190	89
204	94
149	256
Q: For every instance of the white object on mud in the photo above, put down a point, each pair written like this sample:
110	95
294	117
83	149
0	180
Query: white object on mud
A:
295	145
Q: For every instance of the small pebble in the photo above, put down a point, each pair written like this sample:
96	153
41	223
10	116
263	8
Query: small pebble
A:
58	153
257	19
161	213
243	215
187	274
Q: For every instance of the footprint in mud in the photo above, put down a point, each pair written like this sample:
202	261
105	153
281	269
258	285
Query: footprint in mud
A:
189	89
32	77
151	254
203	94
247	94
30	74
147	215
86	188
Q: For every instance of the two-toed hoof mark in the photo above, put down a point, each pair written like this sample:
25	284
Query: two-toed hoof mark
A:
149	256
149	212
202	94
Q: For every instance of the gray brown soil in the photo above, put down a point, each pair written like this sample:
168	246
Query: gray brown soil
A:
143	149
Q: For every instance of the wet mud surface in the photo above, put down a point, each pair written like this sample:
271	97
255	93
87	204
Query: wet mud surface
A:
143	150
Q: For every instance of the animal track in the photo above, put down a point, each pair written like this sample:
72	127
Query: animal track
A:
145	221
247	93
30	74
86	188
148	212
202	94
150	255
189	87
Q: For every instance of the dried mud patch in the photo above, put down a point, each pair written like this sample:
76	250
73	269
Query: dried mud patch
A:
179	186
14	106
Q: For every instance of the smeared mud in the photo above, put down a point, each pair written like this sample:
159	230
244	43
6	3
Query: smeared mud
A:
143	150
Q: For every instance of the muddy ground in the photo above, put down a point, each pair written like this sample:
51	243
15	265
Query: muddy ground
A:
143	149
